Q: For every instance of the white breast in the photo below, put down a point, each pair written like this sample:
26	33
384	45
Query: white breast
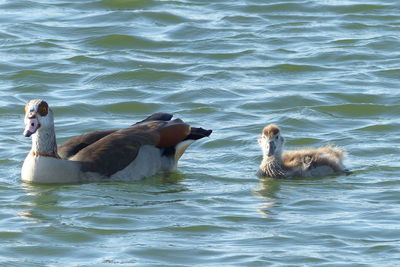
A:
50	170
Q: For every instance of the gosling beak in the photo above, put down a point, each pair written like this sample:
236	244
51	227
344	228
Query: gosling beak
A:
271	150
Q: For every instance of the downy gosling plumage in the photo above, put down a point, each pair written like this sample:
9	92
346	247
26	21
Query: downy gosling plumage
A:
326	160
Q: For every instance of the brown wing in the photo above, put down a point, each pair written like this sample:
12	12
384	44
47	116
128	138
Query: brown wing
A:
172	133
117	150
76	144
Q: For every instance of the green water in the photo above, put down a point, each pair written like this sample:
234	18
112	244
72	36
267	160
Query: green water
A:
325	71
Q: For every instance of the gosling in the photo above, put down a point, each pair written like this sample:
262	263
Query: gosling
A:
322	161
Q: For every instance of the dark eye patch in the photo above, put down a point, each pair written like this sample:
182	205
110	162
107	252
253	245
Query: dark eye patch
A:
43	108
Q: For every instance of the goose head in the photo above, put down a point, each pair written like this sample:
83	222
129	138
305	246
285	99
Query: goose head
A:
38	117
270	141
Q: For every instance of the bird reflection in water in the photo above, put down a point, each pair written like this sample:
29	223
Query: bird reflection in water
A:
268	191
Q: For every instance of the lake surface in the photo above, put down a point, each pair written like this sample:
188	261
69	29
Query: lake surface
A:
326	71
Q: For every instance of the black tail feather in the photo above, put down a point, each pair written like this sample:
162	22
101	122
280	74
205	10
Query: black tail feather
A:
198	133
195	134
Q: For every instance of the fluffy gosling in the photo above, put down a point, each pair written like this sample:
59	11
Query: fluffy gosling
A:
322	161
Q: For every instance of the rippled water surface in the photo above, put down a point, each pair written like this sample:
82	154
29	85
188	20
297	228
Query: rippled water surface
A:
326	71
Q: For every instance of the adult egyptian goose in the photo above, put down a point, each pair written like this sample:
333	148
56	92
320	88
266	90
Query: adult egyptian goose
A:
139	151
326	160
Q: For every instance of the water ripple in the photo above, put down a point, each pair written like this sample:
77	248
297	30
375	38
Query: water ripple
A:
126	42
325	71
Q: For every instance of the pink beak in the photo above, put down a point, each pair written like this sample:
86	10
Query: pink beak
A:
31	126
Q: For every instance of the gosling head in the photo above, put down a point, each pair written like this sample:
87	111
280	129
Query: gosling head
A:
38	116
270	141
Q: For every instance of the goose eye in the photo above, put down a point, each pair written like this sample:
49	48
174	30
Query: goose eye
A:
43	109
